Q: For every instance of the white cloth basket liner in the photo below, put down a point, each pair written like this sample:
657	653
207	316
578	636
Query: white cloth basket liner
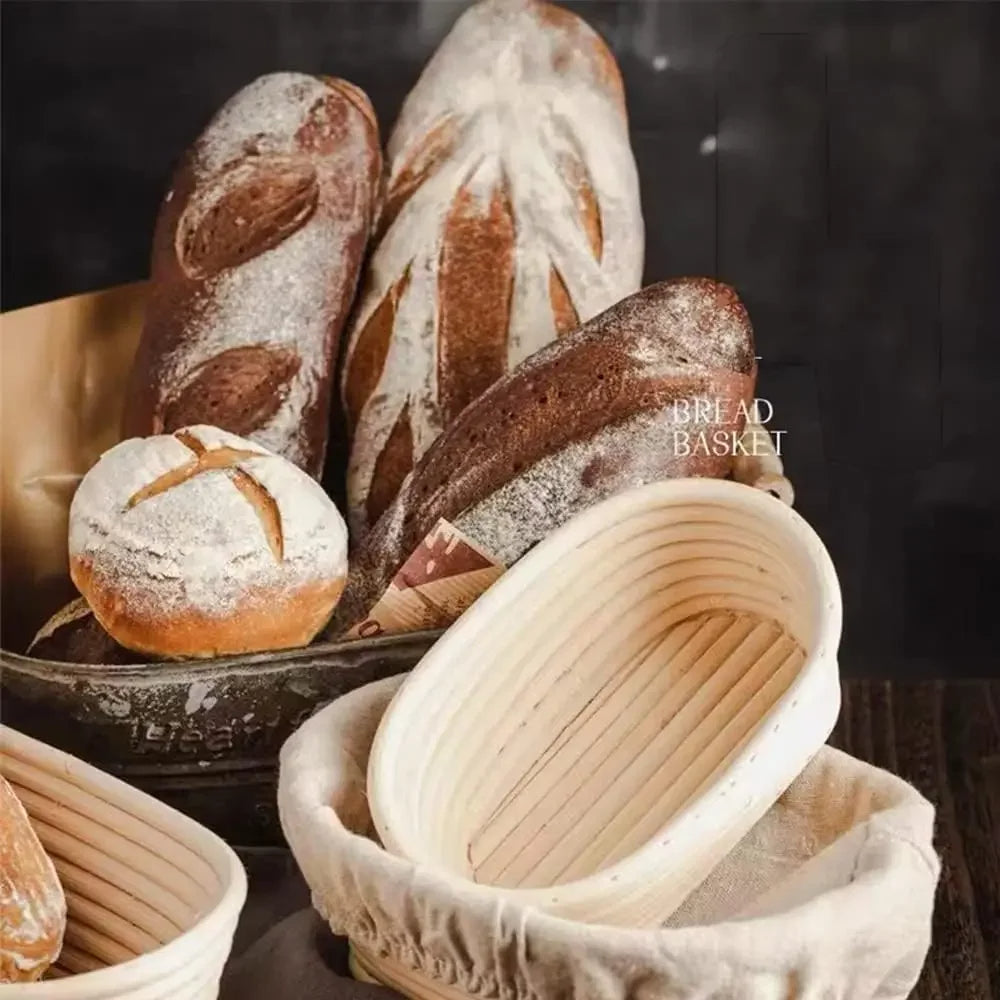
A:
829	895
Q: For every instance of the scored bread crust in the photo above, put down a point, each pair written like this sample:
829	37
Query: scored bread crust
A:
598	411
255	262
201	544
32	903
511	214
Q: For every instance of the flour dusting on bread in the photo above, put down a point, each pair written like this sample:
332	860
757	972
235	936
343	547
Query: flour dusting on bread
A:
256	257
512	199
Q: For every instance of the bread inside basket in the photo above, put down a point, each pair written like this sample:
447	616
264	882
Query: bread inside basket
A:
153	898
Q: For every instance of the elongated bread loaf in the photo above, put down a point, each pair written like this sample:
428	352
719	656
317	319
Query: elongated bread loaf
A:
657	386
32	904
511	215
256	258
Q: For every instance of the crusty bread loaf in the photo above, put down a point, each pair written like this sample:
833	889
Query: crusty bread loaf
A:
32	904
657	386
511	214
74	635
201	544
256	257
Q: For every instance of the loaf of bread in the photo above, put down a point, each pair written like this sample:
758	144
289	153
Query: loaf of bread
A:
200	544
256	257
74	635
511	215
32	904
658	386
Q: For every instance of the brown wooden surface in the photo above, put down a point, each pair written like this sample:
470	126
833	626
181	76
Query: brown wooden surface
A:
944	737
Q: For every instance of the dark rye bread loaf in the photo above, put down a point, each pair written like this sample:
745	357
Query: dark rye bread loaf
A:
256	257
622	401
74	635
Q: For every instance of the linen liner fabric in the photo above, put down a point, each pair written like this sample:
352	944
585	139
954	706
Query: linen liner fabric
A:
830	894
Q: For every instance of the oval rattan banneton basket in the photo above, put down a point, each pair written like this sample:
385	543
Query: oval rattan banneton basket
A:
153	897
620	708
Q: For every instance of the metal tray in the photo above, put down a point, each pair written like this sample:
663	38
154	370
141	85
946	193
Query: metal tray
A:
202	736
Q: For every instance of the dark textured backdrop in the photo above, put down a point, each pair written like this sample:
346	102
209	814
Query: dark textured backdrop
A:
839	163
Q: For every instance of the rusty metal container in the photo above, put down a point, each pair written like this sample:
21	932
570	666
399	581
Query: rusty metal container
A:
201	735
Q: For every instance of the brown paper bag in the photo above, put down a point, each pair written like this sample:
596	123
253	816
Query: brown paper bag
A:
63	368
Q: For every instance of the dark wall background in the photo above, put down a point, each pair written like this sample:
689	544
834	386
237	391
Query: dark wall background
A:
851	196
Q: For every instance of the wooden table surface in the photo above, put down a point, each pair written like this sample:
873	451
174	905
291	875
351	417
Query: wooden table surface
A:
944	737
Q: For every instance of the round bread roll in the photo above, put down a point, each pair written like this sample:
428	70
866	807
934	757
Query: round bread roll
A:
32	904
200	543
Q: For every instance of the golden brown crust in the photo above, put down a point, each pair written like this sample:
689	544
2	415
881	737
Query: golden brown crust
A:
578	181
392	466
32	904
494	202
578	37
474	290
269	619
426	156
365	365
563	312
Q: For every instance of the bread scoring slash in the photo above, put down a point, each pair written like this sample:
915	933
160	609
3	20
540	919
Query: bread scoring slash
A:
255	263
511	215
610	406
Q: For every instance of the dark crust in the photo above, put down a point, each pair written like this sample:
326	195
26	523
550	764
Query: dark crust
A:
176	297
239	389
638	357
81	640
248	209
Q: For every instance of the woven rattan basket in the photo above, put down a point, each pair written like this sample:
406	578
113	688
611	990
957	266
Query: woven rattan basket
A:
153	897
829	895
607	721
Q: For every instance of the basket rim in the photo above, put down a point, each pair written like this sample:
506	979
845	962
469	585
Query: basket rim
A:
212	925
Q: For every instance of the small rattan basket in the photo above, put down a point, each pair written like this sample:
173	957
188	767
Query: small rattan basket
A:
153	897
614	714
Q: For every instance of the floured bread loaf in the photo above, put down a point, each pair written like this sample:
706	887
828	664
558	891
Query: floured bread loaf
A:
256	257
32	904
200	544
657	386
511	215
